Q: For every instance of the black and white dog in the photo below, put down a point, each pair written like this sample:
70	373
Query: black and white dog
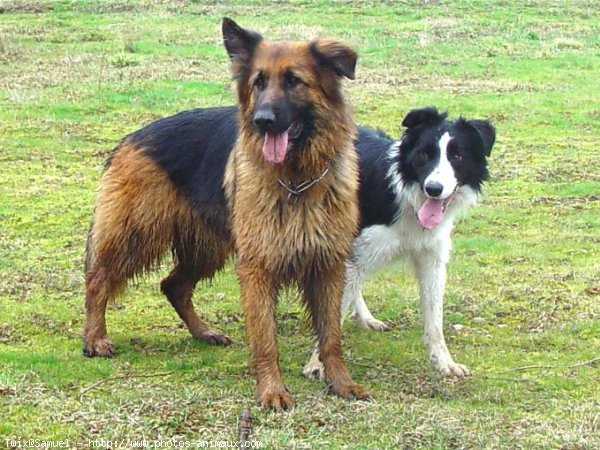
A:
410	194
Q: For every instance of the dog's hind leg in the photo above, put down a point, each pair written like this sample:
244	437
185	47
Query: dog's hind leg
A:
314	369
115	254
372	250
132	227
99	289
353	299
178	288
198	253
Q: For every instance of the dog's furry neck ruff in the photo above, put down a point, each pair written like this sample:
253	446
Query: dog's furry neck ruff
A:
295	190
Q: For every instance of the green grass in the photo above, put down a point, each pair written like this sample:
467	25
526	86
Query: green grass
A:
75	76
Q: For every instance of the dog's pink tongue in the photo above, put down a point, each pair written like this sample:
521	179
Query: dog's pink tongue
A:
275	147
431	213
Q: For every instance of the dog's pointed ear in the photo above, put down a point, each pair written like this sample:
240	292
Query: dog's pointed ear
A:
335	55
487	132
239	42
423	116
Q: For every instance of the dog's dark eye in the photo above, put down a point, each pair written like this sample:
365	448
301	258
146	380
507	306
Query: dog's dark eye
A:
424	156
291	81
454	151
259	82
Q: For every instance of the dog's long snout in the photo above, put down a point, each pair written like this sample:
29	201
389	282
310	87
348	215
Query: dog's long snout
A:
264	119
434	189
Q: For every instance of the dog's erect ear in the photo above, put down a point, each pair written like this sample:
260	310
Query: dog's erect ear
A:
335	55
486	131
423	116
240	43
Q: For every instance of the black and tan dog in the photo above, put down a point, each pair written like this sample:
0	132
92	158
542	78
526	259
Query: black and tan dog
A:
286	195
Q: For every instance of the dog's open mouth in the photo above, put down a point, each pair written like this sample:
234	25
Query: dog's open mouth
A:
432	212
275	146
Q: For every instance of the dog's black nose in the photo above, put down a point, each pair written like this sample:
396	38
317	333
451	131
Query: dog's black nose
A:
434	189
264	119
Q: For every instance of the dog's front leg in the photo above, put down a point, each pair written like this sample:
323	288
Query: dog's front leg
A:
259	293
431	273
323	295
314	367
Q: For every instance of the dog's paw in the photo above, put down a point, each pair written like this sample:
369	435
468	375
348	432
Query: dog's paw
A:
213	337
101	347
314	370
276	400
373	324
453	370
350	391
369	323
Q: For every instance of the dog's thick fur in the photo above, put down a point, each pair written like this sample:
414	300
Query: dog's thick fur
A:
174	185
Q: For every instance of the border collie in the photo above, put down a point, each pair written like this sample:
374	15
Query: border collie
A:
411	191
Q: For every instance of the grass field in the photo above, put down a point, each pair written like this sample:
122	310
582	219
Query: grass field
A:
524	282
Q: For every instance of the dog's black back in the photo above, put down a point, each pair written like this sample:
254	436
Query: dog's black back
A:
192	147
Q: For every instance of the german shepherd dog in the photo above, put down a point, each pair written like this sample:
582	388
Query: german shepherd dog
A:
284	199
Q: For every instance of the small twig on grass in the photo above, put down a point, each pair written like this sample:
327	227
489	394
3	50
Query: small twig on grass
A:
508	380
584	363
84	391
125	377
572	366
519	369
245	427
